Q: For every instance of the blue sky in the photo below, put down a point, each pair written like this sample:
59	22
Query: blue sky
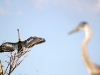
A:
52	20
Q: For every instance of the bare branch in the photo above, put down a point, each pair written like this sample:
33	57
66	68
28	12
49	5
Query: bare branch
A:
7	67
15	61
1	68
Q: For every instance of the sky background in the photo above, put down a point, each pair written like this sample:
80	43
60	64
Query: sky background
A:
52	20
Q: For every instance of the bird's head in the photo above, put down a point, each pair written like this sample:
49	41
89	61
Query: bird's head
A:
81	26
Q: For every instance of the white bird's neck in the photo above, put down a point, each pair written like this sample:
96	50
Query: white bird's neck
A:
88	32
86	59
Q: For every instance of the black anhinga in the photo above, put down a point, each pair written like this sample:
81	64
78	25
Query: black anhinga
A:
20	45
30	42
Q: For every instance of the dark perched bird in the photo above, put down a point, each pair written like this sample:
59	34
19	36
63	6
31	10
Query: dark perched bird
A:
30	42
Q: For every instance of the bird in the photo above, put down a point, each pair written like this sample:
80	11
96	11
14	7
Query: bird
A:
28	43
92	68
20	47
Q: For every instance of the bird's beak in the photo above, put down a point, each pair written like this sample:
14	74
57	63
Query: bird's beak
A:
73	31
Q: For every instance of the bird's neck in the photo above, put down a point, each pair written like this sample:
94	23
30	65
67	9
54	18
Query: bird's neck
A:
19	36
88	33
85	56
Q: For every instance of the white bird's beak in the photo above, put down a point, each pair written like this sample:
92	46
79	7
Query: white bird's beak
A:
73	31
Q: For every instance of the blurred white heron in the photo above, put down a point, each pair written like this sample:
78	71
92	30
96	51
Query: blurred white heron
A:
92	68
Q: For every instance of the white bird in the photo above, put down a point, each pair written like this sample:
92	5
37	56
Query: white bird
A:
92	68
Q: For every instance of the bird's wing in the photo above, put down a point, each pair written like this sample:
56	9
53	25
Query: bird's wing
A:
8	47
30	42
